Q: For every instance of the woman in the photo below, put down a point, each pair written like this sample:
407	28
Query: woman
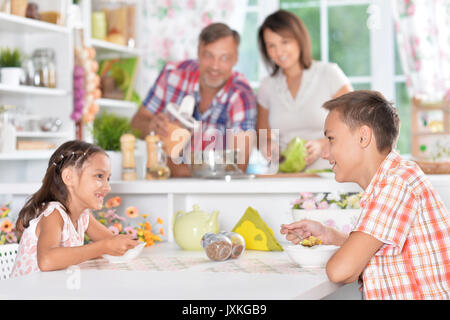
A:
291	98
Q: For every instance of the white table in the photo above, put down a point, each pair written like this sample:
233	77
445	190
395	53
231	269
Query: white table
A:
203	280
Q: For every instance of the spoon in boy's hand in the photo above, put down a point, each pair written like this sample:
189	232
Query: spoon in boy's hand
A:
294	233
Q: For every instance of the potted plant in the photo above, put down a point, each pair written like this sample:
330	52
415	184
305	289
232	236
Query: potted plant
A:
107	130
10	66
340	211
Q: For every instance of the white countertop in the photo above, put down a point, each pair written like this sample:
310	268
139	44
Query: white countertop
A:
212	186
204	280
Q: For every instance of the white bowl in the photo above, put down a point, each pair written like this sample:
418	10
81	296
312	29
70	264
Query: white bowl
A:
311	257
128	256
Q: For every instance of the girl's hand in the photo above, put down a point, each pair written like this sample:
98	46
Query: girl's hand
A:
314	149
118	245
305	228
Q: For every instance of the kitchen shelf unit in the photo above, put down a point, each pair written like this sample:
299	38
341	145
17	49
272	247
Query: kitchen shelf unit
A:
28	35
109	50
422	132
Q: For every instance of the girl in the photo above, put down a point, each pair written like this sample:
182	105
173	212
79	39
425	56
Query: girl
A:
290	98
55	218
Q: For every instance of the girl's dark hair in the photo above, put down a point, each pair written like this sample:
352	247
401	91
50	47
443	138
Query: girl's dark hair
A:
370	108
71	153
286	23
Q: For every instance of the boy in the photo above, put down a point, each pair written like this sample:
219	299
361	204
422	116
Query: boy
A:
400	244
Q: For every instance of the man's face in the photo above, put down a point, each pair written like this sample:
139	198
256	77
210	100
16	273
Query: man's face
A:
216	61
343	149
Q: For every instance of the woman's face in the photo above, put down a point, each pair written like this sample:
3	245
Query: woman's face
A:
284	51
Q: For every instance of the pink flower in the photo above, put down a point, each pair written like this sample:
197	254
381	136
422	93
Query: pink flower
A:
309	205
306	195
11	238
323	205
114	230
131	231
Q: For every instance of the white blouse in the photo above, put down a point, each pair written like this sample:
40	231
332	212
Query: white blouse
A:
303	116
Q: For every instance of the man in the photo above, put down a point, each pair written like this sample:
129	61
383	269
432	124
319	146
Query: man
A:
223	98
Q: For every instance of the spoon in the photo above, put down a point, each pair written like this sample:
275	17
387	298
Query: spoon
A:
296	234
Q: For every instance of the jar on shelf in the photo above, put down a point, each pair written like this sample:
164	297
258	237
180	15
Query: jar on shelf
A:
44	68
120	21
157	168
52	11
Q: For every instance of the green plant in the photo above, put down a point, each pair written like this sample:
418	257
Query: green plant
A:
10	59
108	128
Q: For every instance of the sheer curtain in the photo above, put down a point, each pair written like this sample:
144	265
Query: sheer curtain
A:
423	35
169	31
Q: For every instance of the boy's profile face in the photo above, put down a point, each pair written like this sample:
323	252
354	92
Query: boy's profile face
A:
343	150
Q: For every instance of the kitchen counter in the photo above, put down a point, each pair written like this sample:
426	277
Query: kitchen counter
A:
164	271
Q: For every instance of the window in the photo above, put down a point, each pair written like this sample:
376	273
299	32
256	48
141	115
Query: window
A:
358	35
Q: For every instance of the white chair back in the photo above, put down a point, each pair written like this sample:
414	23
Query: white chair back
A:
8	253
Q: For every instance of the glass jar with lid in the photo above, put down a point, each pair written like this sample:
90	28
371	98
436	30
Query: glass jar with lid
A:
44	68
157	168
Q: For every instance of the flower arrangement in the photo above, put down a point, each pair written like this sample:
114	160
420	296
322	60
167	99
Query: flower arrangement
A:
328	200
143	231
7	230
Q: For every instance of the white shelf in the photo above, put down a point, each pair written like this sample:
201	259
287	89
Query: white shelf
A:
42	134
27	155
107	48
16	90
119	104
16	24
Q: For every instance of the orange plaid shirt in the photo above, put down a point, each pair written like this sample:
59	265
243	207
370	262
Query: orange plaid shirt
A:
401	209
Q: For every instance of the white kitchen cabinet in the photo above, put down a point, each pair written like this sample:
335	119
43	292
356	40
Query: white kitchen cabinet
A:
28	35
109	50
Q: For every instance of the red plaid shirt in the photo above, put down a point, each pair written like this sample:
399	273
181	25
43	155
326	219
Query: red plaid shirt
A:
401	209
234	106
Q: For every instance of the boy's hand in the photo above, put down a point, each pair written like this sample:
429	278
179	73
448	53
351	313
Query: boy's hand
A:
305	228
118	245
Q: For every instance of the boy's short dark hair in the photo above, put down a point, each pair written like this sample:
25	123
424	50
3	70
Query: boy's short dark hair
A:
370	108
216	31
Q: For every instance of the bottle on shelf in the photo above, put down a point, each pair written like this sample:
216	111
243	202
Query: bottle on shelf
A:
157	168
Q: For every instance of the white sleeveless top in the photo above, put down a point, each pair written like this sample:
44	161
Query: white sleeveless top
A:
26	259
302	116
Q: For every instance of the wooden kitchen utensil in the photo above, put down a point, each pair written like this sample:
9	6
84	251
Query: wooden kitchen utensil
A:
127	143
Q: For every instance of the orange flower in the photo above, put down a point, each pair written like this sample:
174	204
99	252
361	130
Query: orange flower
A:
6	226
132	212
159	220
118	226
148	226
113	202
145	216
161	231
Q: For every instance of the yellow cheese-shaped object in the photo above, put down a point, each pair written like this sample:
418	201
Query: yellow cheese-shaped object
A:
256	233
